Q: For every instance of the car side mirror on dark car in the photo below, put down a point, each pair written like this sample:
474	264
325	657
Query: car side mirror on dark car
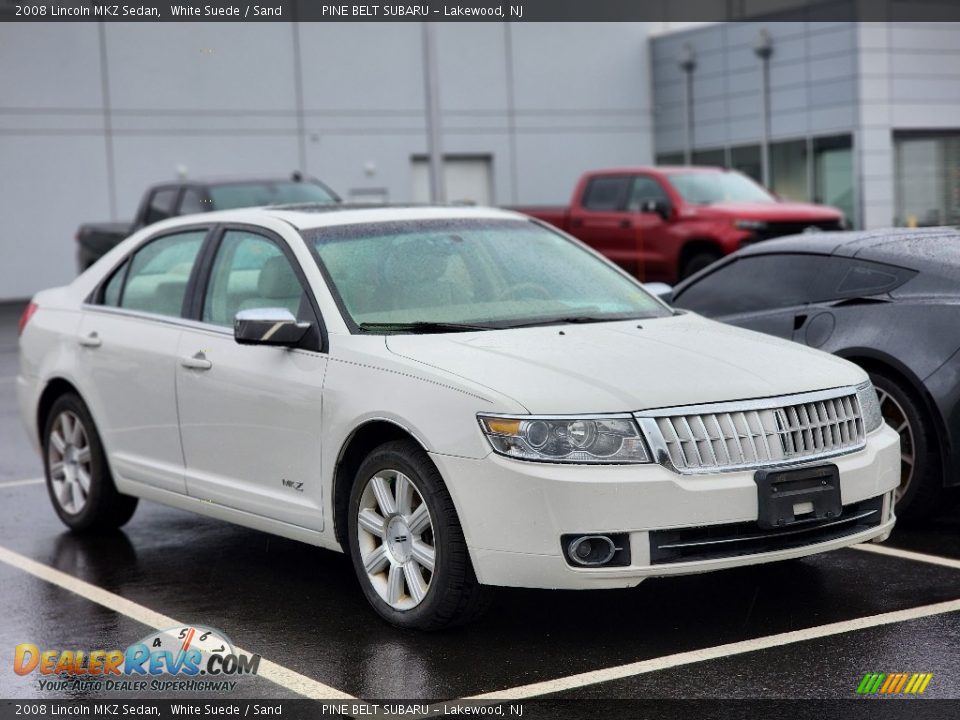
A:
660	207
268	326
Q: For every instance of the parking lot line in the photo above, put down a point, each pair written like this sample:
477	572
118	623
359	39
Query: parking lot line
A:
910	555
284	677
16	483
717	652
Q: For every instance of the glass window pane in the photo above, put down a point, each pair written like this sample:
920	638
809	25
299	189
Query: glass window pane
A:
746	159
239	195
788	170
762	282
670	159
251	272
833	174
645	189
928	180
191	202
111	293
606	193
161	205
716	157
157	281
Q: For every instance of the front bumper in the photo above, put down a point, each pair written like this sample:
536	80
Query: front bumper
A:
513	512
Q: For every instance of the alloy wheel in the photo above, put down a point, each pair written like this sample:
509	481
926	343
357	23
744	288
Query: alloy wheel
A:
69	462
396	540
895	416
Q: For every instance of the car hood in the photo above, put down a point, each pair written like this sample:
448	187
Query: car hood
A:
771	211
619	367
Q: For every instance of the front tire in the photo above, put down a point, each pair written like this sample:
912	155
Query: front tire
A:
406	542
921	491
698	262
78	477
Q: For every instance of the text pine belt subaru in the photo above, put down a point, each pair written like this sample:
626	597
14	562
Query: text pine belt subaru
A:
456	397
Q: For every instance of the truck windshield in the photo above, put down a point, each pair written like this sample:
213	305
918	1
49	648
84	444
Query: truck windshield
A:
240	195
432	275
706	188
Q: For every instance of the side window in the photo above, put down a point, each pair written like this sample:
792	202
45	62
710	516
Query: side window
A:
251	271
111	291
192	202
761	282
644	190
160	206
606	193
858	278
158	275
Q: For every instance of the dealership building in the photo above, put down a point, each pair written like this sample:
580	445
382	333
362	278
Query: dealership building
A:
863	116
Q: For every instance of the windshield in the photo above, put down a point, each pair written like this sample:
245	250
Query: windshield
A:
252	194
704	188
399	276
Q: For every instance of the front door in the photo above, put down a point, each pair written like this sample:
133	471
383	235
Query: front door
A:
249	414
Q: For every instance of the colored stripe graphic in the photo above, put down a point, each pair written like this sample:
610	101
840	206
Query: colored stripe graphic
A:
894	683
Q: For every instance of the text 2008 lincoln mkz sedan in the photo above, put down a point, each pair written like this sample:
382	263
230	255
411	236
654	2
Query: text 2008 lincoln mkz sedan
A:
456	397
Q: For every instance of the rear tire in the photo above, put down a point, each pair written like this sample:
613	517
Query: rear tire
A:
78	477
921	490
697	262
406	542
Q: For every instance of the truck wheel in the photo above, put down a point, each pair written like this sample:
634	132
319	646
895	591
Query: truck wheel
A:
697	262
78	478
406	543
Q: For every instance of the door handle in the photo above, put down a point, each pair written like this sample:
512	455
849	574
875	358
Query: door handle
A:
196	362
90	341
576	222
626	224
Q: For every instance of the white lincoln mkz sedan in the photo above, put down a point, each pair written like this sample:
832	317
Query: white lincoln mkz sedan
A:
456	397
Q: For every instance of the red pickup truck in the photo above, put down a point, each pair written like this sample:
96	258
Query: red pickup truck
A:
666	223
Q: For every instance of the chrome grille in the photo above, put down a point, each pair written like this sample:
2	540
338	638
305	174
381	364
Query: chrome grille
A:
727	436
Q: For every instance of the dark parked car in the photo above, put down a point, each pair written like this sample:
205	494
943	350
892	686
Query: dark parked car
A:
185	197
888	300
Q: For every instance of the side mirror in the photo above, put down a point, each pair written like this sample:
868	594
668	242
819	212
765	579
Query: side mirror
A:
661	290
659	207
268	326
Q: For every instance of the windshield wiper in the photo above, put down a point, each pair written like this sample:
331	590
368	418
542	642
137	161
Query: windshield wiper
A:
420	327
577	320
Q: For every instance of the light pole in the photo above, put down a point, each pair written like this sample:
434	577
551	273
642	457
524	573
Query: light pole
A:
763	47
688	63
432	93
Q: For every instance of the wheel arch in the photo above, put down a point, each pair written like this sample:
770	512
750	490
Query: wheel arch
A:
870	359
359	443
55	388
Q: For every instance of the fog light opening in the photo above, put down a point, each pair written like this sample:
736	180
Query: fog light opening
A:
591	550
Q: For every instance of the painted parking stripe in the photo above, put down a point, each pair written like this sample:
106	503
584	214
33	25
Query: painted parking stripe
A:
18	483
715	653
910	555
284	677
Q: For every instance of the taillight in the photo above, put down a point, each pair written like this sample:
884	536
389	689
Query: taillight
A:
25	318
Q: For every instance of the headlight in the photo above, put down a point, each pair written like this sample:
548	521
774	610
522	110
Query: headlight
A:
749	224
869	407
568	440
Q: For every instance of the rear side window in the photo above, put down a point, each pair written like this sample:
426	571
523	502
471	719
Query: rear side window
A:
606	193
160	206
761	282
111	291
156	281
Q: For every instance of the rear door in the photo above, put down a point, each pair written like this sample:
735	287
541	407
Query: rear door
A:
250	416
128	341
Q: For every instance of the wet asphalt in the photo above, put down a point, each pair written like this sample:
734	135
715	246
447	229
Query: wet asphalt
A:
301	607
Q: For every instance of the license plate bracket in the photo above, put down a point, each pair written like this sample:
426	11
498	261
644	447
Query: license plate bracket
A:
813	492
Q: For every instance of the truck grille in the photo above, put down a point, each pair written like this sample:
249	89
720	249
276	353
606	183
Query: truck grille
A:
727	436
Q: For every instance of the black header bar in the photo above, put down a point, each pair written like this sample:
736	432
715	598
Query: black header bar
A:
480	11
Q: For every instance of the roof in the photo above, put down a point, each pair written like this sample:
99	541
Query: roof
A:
664	169
313	215
938	244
